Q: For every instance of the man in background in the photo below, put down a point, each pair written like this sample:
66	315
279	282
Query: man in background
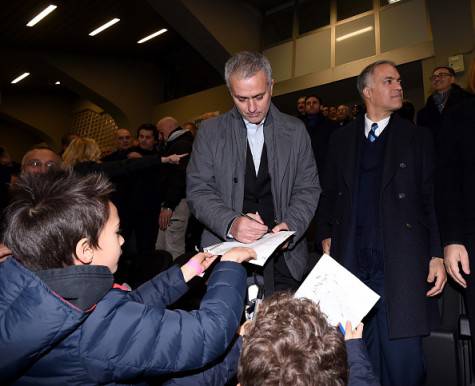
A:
174	212
445	96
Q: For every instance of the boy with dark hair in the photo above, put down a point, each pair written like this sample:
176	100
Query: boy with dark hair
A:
62	321
291	344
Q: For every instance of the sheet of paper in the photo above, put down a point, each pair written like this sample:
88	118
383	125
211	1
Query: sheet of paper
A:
264	247
340	294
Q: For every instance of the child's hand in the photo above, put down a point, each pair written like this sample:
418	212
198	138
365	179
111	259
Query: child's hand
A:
239	255
357	333
244	328
197	265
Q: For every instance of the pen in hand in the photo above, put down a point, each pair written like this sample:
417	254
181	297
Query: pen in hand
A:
251	218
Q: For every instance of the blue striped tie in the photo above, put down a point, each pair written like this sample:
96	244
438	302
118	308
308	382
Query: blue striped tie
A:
372	133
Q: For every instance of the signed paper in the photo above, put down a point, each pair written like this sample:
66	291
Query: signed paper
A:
340	294
264	247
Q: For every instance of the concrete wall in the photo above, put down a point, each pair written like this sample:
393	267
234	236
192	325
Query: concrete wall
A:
16	146
126	89
192	106
50	114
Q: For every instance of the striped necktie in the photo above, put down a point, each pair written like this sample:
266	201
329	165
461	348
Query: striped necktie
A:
372	133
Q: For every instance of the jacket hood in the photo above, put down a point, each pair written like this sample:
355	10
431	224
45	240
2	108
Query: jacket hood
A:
33	316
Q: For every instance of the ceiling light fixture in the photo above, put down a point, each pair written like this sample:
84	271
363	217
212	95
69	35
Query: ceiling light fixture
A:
393	1
162	31
105	26
57	83
21	77
355	33
45	12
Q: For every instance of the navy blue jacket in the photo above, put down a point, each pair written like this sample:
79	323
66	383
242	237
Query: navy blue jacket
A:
360	369
128	336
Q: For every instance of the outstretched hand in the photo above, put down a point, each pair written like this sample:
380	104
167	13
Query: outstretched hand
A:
197	265
173	159
239	255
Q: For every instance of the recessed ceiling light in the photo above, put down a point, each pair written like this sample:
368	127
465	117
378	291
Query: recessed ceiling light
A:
21	77
45	12
162	31
355	33
57	83
105	26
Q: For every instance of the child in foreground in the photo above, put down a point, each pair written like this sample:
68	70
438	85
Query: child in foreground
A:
290	343
63	321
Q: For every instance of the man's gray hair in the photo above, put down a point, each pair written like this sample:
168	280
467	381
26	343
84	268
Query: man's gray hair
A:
246	64
363	78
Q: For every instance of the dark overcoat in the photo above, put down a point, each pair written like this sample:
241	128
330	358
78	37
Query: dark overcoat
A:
409	226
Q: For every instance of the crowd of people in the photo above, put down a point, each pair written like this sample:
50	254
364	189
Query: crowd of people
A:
390	200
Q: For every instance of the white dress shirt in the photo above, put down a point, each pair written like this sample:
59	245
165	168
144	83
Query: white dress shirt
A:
381	125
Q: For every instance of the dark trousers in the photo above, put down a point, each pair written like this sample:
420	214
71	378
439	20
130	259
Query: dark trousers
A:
397	362
277	276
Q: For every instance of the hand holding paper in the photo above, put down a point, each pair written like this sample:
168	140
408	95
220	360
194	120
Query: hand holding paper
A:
341	295
264	247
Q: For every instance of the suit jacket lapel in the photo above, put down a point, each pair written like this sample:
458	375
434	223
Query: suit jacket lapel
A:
240	139
277	139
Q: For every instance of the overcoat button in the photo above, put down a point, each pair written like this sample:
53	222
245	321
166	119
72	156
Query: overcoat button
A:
402	165
408	226
401	195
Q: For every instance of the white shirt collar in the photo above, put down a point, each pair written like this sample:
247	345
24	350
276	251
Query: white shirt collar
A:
381	125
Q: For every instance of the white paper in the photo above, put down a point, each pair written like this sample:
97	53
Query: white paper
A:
340	294
264	247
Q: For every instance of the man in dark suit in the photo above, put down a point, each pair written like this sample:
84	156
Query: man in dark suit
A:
447	95
377	218
455	199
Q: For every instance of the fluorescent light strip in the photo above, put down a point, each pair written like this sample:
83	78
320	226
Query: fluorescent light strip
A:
105	26
21	77
355	33
45	12
162	31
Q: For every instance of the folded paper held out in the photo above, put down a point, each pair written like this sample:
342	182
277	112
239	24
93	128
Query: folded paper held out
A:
264	247
340	294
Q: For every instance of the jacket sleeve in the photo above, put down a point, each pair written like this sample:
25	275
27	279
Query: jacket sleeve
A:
449	180
305	190
361	371
163	290
202	194
427	183
130	339
175	189
216	374
128	167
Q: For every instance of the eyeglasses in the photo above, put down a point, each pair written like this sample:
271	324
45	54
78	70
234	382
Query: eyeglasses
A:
36	163
440	75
